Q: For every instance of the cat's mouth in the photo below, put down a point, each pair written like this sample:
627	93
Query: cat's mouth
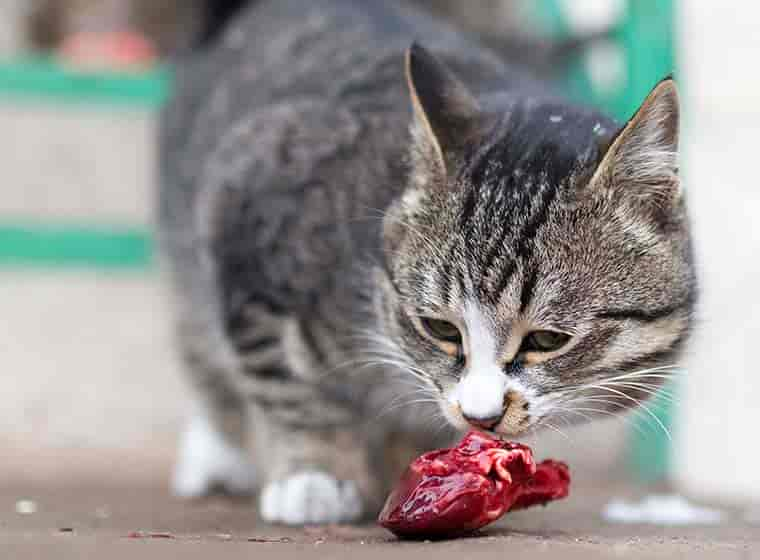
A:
515	420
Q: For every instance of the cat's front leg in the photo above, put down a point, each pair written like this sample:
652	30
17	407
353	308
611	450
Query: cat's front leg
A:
213	454
313	474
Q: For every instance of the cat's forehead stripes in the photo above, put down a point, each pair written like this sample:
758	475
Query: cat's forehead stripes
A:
504	196
510	187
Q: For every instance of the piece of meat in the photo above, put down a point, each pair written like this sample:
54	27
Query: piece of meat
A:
454	491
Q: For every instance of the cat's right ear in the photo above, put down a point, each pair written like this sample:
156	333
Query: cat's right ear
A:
445	112
641	164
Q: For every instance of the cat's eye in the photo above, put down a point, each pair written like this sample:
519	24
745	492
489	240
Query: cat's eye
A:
442	330
544	341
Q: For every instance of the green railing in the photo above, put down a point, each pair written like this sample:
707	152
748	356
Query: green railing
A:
31	242
83	246
40	79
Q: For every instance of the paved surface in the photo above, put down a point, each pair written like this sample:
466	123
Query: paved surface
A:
89	518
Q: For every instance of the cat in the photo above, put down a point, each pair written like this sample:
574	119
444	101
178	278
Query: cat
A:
379	234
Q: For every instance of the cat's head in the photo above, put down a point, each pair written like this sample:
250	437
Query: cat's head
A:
539	263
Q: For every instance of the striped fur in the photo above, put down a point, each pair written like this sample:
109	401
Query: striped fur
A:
309	233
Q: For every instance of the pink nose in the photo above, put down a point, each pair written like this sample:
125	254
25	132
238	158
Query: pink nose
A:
484	423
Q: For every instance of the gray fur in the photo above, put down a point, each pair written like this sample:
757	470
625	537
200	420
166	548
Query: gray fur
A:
307	231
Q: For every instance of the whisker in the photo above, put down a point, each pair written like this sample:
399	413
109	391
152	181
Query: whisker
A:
444	425
626	419
417	391
554	428
406	403
648	389
661	372
620	415
570	405
643	406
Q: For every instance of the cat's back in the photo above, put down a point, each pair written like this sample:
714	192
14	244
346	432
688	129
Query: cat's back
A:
279	49
295	94
309	61
283	51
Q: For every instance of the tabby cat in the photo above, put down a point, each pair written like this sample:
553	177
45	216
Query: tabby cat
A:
346	289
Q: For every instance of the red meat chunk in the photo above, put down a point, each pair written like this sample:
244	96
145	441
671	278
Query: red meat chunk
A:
455	491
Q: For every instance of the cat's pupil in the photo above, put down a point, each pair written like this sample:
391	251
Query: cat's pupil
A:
544	341
442	330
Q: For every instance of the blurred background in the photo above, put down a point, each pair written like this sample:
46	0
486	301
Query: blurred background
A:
90	379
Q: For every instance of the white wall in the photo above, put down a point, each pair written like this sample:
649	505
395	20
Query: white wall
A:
718	445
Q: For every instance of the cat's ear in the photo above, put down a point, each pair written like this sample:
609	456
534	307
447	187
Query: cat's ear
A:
641	162
445	112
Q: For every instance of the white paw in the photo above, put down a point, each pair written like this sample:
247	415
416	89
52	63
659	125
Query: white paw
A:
207	461
310	498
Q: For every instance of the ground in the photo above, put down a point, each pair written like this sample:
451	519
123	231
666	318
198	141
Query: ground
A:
100	514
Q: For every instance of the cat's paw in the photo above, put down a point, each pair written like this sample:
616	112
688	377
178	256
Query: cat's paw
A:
207	463
311	497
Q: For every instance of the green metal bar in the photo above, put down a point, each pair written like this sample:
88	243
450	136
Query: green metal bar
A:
39	79
75	246
646	36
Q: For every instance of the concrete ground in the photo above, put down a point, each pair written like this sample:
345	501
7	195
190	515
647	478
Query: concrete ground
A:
98	515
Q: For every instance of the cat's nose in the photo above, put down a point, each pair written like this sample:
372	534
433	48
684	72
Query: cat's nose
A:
484	423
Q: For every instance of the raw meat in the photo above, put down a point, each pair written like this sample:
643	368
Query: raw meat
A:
454	491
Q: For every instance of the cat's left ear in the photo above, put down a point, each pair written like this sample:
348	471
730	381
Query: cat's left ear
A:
445	112
641	163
